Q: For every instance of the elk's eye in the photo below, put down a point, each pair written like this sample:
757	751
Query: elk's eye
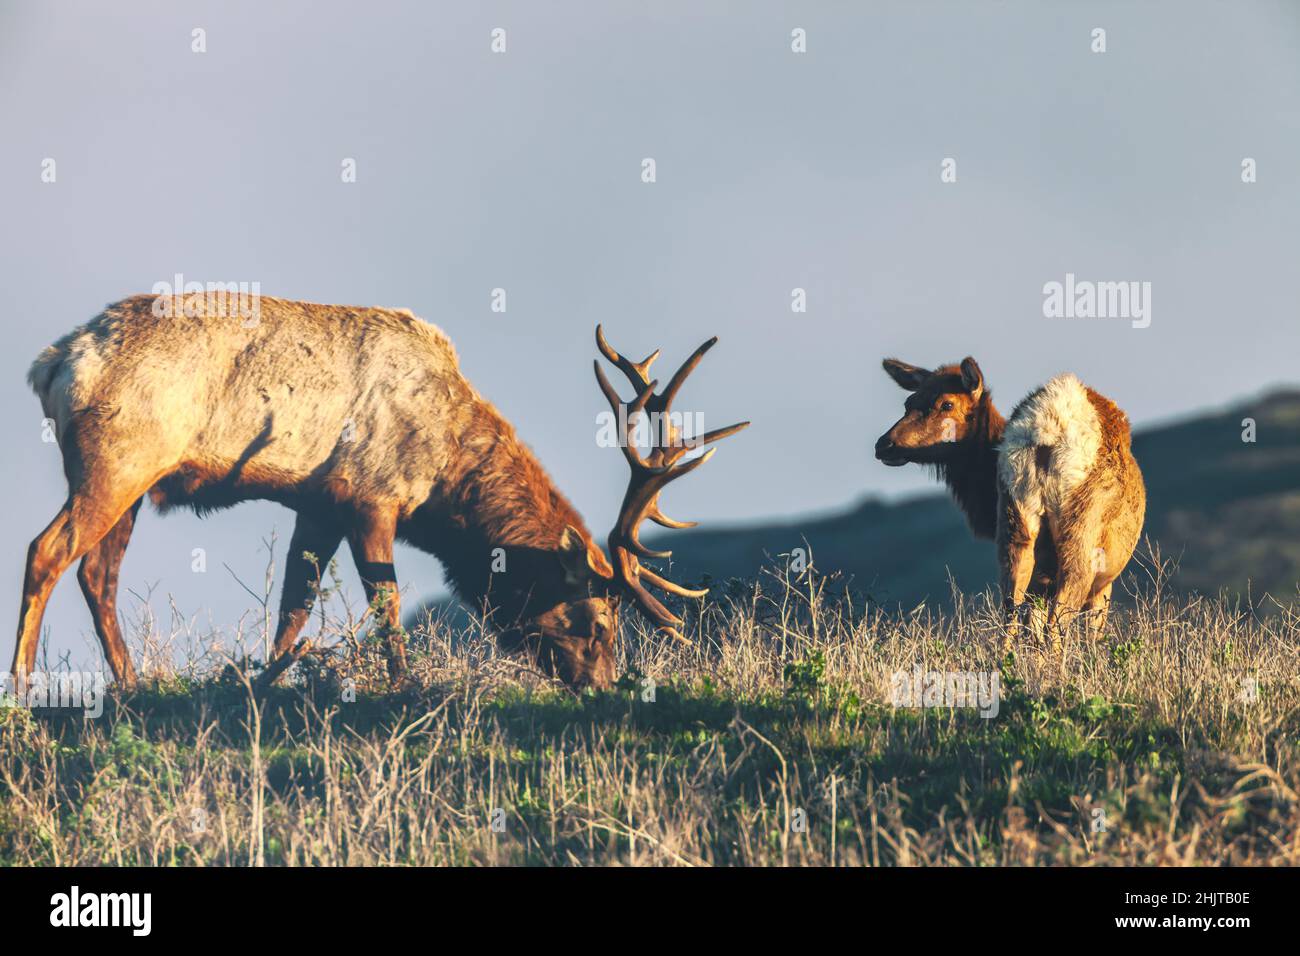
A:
946	407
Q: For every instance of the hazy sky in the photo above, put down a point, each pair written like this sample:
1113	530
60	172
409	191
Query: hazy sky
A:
775	170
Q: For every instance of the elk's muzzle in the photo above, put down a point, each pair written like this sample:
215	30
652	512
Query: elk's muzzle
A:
889	453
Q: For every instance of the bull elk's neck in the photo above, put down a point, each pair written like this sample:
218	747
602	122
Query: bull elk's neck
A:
495	495
972	474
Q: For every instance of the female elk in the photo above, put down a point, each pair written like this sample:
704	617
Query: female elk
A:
359	420
1056	484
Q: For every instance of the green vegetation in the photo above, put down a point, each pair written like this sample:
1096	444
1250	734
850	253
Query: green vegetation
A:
773	740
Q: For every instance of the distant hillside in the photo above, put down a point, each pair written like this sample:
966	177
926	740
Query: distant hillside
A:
1229	511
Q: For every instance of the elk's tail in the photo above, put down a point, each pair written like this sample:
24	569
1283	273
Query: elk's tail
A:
51	378
41	375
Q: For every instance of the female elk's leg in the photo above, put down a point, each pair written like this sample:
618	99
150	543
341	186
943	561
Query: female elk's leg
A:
1016	534
1039	598
78	527
1081	561
320	538
98	578
1097	607
371	540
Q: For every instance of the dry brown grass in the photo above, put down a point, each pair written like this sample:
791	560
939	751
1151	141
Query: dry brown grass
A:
771	741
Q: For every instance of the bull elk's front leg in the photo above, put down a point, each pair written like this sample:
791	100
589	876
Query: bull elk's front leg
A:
371	536
1017	532
320	538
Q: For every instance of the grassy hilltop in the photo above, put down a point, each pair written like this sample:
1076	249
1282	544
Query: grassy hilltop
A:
1227	511
773	740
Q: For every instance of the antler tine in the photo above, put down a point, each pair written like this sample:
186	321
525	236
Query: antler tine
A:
638	405
653	511
675	383
638	373
627	532
661	519
651	473
646	507
671	587
628	572
641	502
719	433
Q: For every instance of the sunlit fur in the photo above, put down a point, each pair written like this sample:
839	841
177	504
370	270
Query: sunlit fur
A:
1058	416
1056	485
356	418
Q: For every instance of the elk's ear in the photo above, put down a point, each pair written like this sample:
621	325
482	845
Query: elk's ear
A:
972	379
910	377
580	559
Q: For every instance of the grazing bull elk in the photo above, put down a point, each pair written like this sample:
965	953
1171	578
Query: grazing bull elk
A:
359	420
1056	484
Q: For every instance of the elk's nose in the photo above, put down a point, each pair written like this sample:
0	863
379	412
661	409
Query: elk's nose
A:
889	453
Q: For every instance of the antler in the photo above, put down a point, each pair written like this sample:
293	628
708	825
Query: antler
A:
650	473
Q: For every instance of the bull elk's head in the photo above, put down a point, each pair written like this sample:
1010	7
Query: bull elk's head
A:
937	415
575	638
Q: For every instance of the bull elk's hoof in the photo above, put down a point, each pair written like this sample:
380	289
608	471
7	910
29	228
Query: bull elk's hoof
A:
278	665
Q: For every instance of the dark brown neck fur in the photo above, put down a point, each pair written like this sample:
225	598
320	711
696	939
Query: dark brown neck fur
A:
498	497
972	472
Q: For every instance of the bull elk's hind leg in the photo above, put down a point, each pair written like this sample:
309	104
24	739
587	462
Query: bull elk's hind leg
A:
98	578
78	527
371	539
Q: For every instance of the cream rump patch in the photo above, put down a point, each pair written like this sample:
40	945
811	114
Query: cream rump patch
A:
1050	445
